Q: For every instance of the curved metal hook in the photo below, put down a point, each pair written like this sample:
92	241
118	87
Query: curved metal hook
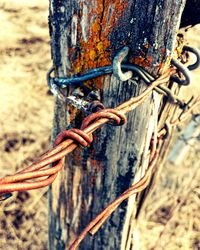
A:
196	53
48	76
185	71
117	71
52	86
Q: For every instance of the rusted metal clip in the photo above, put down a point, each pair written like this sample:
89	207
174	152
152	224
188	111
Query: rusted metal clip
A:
82	103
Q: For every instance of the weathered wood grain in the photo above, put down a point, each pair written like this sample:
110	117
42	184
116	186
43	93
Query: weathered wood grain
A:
84	35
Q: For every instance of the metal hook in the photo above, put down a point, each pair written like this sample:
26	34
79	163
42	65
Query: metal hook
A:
185	71
196	53
53	87
117	71
48	76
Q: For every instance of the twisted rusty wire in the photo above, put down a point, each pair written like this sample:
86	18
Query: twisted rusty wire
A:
97	222
63	146
68	140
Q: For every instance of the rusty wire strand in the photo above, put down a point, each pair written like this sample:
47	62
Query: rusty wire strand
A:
40	175
97	222
68	140
61	149
17	182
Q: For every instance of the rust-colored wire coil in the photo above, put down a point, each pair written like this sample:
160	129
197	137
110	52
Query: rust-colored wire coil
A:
40	174
68	140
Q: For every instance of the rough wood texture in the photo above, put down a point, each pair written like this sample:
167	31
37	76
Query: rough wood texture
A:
84	35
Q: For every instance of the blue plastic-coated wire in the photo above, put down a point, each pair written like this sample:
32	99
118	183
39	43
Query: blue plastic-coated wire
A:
94	73
117	67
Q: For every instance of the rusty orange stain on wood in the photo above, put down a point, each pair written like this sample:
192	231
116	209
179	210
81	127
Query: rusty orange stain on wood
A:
95	52
163	65
142	61
147	61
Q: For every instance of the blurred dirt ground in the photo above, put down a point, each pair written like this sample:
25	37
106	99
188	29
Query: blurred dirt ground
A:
26	117
171	218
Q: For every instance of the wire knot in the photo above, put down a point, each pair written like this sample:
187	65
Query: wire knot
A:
79	136
96	106
116	117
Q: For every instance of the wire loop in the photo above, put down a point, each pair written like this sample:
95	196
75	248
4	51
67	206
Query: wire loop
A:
196	53
75	134
117	117
117	71
185	71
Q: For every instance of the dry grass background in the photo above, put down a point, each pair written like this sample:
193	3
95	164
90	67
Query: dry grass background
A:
26	119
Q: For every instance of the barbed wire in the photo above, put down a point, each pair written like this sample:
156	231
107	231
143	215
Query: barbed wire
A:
30	177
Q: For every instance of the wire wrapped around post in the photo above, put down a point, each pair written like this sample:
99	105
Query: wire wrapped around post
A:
40	174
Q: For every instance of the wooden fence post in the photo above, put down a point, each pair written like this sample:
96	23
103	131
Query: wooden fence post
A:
85	35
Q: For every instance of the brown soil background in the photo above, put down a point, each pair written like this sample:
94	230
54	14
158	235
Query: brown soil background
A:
171	218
